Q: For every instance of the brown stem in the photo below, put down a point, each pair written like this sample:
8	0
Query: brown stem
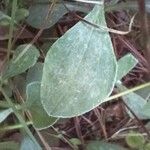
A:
145	32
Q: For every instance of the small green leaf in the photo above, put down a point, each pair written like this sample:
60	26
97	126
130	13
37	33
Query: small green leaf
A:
40	118
28	144
126	64
4	114
10	145
75	141
100	145
146	110
135	101
145	93
35	73
79	70
21	14
135	140
25	56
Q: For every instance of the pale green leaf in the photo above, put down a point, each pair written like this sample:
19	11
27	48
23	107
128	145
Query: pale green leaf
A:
125	65
79	69
10	145
40	118
35	73
21	60
28	144
145	93
134	101
146	110
38	12
100	145
4	114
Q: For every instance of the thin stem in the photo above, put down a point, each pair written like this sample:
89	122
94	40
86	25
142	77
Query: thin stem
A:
101	27
128	91
14	127
4	104
18	115
60	135
13	13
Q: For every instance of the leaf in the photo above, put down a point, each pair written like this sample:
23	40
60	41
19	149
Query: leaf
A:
21	14
146	110
100	145
135	101
28	144
4	19
145	93
22	60
4	114
135	140
40	118
35	73
10	145
75	141
39	11
147	146
125	65
79	69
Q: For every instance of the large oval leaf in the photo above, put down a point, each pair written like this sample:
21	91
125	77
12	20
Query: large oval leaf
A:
79	69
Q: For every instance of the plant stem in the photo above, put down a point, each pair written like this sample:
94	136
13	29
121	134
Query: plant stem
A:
4	104
13	13
18	115
14	127
128	91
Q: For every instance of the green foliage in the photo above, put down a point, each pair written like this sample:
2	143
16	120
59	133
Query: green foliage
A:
28	144
100	145
35	73
80	71
135	101
10	145
25	56
75	141
39	117
147	146
126	64
146	109
4	19
21	14
38	19
73	79
135	140
4	114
